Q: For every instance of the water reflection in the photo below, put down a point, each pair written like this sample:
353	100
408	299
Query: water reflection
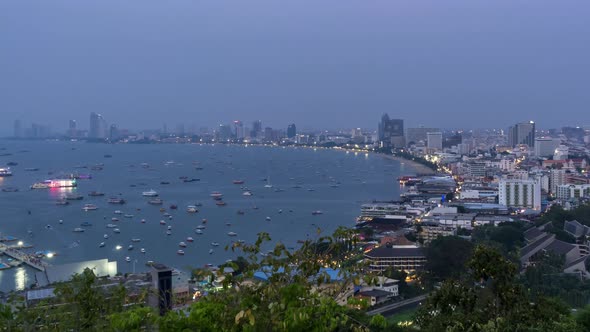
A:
59	193
20	278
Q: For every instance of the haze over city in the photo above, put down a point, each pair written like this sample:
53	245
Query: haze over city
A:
320	65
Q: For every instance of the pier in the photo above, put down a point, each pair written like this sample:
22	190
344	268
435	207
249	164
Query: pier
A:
17	254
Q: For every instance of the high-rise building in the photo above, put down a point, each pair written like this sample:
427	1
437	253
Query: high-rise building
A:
256	129
268	134
98	126
113	133
224	133
557	177
545	146
415	135
161	298
391	132
522	133
239	129
522	194
291	131
18	130
72	128
434	141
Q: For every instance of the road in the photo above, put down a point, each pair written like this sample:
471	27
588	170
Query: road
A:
391	309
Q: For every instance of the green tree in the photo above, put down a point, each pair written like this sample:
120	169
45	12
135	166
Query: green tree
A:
446	257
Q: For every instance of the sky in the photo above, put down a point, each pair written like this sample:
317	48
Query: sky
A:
317	63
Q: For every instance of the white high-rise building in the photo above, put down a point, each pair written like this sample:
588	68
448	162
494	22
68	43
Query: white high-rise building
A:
524	194
556	179
545	147
434	141
561	153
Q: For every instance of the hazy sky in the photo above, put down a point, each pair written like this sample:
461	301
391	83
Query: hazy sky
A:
318	63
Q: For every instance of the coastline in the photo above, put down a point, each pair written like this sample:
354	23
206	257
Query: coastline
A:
419	168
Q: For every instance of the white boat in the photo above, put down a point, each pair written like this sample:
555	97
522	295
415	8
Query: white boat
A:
317	212
116	230
143	221
232	234
215	244
182	245
106	236
268	184
168	233
180	252
118	247
135	240
101	245
216	194
162	222
128	216
267	218
118	212
78	230
142	250
114	219
111	226
130	247
247	193
128	259
189	239
150	193
191	209
169	227
210	251
201	227
198	231
89	207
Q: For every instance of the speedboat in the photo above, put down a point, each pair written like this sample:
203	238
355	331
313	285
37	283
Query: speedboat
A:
232	233
142	250
118	212
116	230
215	244
150	193
210	251
101	245
180	252
135	240
130	247
106	236
78	230
89	207
168	232
182	245
198	231
189	239
127	259
111	225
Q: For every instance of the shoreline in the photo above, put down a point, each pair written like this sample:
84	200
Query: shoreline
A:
419	168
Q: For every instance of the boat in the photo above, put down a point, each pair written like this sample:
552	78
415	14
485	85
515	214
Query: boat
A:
238	182
114	219
201	227
108	156
198	231
116	230
135	240
204	221
228	224
180	252
118	212
78	230
189	239
118	247
162	222
164	182
31	169
192	209
86	224
150	193
128	216
182	244
280	211
55	183
11	163
216	194
215	244
143	221
220	203
111	226
169	227
130	247
127	259
168	232
74	197
267	218
240	212
5	171
268	184
95	193
232	234
210	251
173	207
247	193
89	207
116	200
106	236
317	212
101	245
142	250
40	185
62	202
191	180
155	201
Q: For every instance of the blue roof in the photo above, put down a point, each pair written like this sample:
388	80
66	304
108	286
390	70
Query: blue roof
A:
266	273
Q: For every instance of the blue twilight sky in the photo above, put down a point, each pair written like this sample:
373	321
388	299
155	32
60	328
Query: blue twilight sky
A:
318	63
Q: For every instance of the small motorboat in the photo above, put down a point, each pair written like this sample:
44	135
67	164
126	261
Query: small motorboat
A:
128	259
180	252
210	251
182	245
267	218
89	207
173	207
143	221
78	230
201	227
128	216
135	240
130	247
192	209
162	222
142	250
215	244
114	219
220	203
317	212
118	212
106	236
150	193
116	230
111	225
101	245
189	239
232	234
198	231
240	212
169	228
168	232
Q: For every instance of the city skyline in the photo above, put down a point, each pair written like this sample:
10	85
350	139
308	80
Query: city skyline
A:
204	62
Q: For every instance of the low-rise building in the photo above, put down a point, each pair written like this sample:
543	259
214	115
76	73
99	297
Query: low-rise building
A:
430	231
409	258
573	191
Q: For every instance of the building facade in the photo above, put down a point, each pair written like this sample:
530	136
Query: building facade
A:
525	194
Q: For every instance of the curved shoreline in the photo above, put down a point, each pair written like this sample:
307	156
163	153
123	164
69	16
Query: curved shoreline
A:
419	168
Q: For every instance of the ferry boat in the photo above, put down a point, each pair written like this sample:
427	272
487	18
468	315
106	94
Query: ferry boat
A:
180	252
116	200
55	183
5	171
150	193
182	244
155	201
89	207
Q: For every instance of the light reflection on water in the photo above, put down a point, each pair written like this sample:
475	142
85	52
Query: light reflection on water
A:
20	278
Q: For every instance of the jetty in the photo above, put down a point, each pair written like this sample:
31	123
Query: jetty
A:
17	254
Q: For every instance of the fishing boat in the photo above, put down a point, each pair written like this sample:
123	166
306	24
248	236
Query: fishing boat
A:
204	221
89	207
182	244
150	193
173	207
180	252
